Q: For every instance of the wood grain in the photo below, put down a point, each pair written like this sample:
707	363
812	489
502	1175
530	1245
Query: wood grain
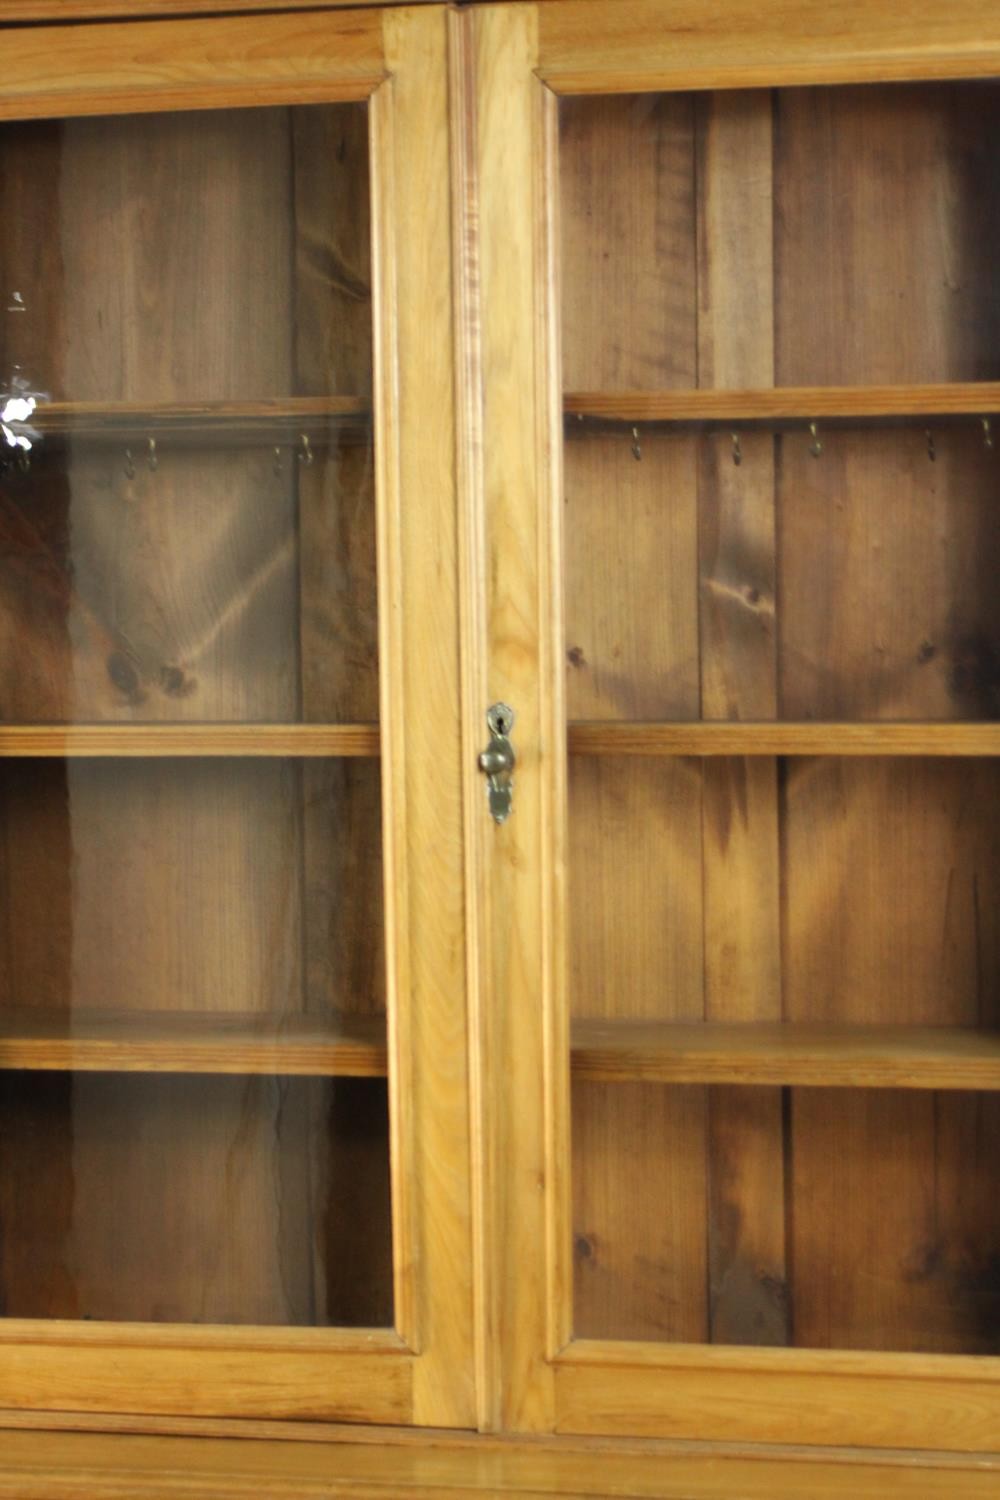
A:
168	885
63	10
232	1164
732	173
735	1395
186	1042
57	1466
889	868
732	738
640	1261
215	63
862	1055
277	419
353	1384
421	715
631	631
628	288
888	609
883	275
628	257
896	1232
524	1078
157	741
635	913
799	404
676	44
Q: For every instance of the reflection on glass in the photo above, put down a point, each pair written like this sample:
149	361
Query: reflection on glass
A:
186	478
829	554
193	1105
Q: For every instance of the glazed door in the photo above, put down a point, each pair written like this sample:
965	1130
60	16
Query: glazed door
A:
741	357
233	1116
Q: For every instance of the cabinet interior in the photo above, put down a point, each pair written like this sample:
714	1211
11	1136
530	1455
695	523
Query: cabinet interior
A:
193	1106
781	342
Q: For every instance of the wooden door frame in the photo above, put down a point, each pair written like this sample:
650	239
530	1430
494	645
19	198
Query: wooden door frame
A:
422	1371
520	58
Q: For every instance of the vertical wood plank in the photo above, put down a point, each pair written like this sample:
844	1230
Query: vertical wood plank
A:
628	266
888	568
169	885
639	1248
629	319
172	226
891	873
886	201
897	1229
891	876
332	251
164	1198
631	552
747	1289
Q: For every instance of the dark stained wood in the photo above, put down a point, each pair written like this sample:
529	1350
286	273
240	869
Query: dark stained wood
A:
639	1170
344	913
887	204
639	1255
629	319
628	252
332	264
338	588
890	872
187	1199
896	1228
631	579
889	608
167	885
736	520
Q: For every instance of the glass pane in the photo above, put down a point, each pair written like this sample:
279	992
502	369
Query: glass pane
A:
187	521
193	1098
780	318
723	564
164	1198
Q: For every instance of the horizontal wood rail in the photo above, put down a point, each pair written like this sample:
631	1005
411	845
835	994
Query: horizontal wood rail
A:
152	740
798	405
776	738
192	1042
223	423
594	738
795	1054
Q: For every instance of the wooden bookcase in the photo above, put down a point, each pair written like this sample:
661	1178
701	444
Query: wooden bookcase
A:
636	366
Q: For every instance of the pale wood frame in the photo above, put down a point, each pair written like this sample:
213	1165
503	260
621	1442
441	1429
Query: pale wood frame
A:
423	1371
310	1462
524	56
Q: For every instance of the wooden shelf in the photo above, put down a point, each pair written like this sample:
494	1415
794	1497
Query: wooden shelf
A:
595	738
770	738
771	1053
881	404
602	1051
167	740
192	1042
226	423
